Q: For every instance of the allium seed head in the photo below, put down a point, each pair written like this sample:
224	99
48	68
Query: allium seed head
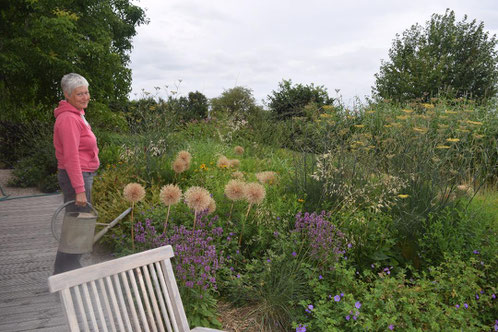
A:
133	192
197	198
234	163
170	194
235	190
211	206
238	175
223	162
254	193
185	156
238	150
267	177
179	166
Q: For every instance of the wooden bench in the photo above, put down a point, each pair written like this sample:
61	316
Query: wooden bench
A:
133	293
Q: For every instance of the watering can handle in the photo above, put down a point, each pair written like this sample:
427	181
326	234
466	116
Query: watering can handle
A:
56	213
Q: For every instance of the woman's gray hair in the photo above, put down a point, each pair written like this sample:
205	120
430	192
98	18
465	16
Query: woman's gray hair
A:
71	81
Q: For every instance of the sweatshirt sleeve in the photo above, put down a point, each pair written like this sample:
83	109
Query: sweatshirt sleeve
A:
70	133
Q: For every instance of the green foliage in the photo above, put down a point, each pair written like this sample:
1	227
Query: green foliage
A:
445	299
43	40
444	58
290	100
236	103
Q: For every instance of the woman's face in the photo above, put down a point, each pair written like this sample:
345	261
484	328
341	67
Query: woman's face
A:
79	97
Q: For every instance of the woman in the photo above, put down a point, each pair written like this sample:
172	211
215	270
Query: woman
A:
77	156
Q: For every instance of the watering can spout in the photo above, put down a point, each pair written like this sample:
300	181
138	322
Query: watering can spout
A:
100	234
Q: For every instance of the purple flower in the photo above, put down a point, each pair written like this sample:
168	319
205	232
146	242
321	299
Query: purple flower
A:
301	328
354	317
268	260
391	327
348	317
476	252
294	254
357	305
310	307
349	245
320	277
342	294
477	296
372	266
465	305
493	296
337	298
457	306
238	275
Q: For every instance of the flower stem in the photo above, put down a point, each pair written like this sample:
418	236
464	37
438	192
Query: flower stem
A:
132	226
243	224
166	222
195	218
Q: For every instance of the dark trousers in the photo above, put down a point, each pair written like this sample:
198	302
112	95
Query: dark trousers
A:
63	261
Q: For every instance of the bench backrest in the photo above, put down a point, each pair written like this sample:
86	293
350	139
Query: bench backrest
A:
133	293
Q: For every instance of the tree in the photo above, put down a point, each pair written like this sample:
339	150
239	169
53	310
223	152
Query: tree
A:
289	100
193	107
44	39
456	59
237	103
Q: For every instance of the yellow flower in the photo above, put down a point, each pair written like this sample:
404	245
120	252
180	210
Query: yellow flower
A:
324	115
388	125
442	147
452	140
407	111
203	166
300	200
420	130
402	117
428	105
403	196
359	126
477	123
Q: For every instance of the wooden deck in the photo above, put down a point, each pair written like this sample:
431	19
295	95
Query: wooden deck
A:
27	254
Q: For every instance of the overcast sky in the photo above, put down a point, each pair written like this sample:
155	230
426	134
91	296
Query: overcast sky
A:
215	45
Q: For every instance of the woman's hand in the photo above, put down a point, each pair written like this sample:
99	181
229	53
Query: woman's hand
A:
81	199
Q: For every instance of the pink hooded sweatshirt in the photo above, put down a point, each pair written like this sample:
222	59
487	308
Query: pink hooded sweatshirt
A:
75	144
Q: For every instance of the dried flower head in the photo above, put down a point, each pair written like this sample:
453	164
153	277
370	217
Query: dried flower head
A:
267	177
211	206
170	194
238	175
234	163
133	192
254	193
185	156
223	162
179	166
235	190
238	150
197	198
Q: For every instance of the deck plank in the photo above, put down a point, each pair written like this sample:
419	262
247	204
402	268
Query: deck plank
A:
27	253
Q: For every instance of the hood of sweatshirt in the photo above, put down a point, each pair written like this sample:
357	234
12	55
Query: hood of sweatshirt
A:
64	106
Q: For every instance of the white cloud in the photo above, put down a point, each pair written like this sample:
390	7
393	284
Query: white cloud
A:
218	44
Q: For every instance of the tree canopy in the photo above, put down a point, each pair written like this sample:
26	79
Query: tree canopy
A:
41	40
290	100
446	57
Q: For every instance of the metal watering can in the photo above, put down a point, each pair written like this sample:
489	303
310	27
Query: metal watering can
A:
78	228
